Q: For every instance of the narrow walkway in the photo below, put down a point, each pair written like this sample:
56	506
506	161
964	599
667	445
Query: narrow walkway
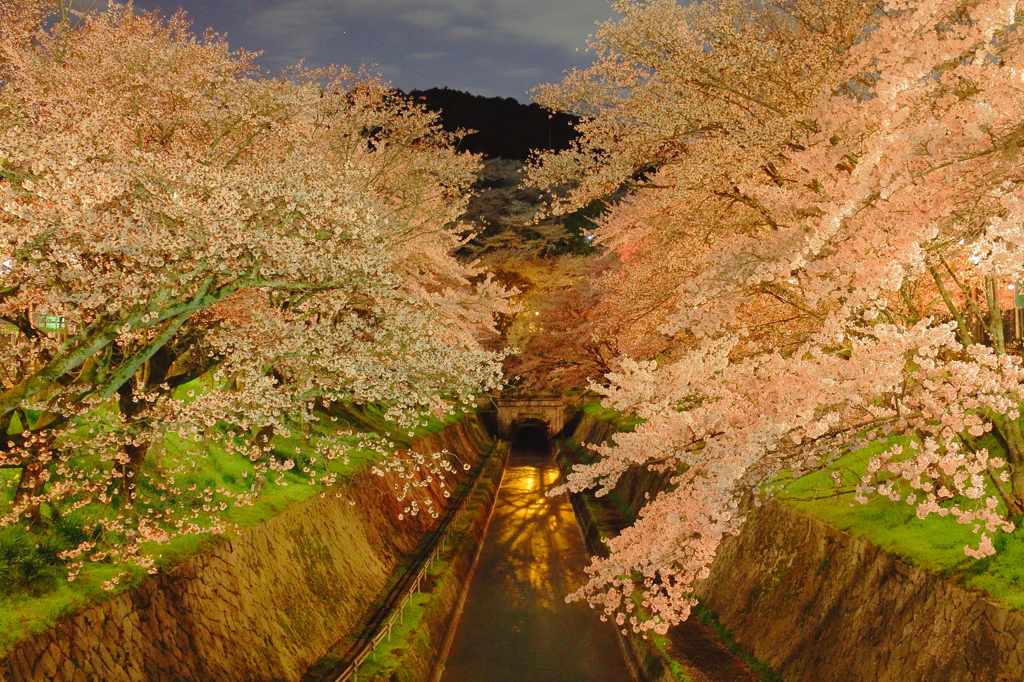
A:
516	626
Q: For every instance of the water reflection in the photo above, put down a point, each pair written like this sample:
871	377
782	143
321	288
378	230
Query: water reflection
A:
516	626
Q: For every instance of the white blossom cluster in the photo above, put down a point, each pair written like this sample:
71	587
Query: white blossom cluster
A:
197	256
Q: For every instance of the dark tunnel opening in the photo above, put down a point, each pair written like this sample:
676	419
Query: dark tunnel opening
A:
531	436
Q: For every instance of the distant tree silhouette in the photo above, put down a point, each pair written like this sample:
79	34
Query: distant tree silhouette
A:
506	128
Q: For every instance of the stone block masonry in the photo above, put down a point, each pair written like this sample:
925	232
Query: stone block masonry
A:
818	604
262	607
551	411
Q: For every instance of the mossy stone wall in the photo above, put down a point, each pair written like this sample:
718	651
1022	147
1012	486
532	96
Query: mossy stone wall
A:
263	606
816	603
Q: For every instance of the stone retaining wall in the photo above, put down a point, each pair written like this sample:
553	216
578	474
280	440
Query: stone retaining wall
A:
818	604
262	607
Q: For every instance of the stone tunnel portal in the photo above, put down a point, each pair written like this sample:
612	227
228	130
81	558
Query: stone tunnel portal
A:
514	414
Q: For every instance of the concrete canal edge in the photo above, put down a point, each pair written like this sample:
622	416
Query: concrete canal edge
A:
646	660
416	649
691	652
481	521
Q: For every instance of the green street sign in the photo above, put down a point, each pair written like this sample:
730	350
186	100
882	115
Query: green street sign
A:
53	322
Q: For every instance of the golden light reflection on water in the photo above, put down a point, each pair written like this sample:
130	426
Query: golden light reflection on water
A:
528	530
516	625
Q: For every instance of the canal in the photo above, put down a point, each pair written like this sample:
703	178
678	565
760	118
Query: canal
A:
515	625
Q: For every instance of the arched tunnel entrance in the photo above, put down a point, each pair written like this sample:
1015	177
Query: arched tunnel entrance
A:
514	413
531	436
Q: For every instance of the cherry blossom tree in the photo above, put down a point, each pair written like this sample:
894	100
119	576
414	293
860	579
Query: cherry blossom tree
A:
168	213
836	186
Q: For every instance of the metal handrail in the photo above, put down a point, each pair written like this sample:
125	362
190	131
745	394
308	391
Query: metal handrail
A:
365	648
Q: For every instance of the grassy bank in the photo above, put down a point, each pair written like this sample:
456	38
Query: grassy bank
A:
605	414
36	591
935	543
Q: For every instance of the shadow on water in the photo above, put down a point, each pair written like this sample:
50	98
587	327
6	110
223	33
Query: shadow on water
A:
516	625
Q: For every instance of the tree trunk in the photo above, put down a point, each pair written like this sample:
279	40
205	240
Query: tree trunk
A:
995	315
263	436
1011	430
1013	438
130	470
31	485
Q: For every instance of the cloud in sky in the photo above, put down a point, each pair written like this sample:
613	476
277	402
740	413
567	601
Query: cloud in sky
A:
558	23
490	47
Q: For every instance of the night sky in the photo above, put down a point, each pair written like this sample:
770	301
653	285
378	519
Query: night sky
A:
488	47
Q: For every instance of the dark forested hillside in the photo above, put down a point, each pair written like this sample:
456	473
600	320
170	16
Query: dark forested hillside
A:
506	128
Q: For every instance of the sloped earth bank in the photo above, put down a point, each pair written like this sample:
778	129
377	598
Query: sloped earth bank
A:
262	606
817	604
691	651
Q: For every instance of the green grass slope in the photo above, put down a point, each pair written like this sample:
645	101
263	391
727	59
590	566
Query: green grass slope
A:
35	591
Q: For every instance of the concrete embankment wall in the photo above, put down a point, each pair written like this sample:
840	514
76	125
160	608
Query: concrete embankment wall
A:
422	659
417	653
818	604
262	606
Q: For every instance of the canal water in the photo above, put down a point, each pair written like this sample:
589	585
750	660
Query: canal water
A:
516	626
